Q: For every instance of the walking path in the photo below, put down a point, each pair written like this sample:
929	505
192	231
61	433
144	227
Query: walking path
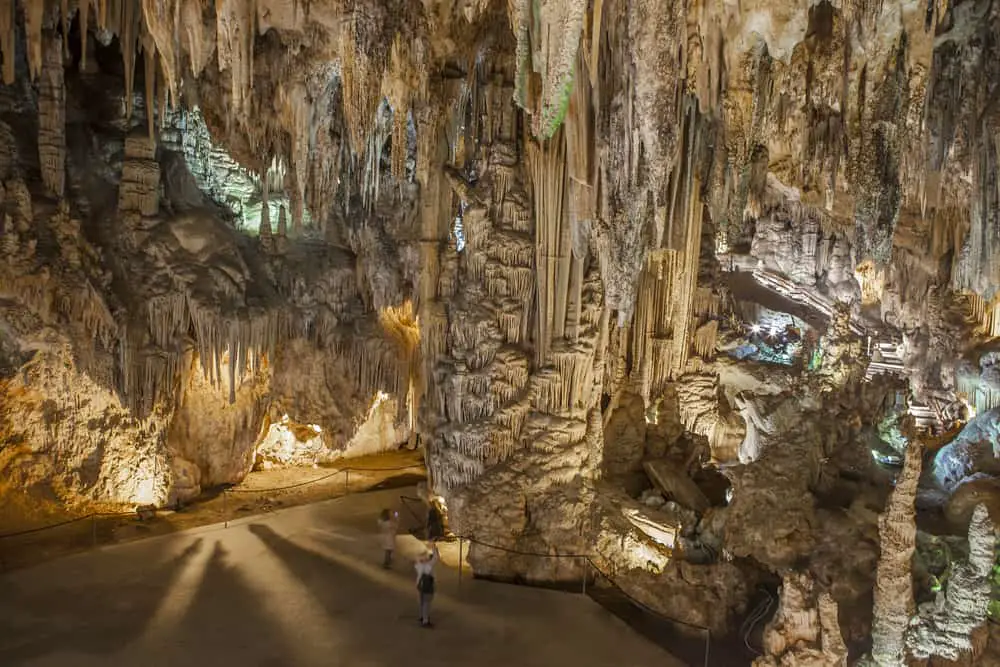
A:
298	587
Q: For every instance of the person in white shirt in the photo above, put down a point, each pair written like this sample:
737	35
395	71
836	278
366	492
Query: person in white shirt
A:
388	526
425	582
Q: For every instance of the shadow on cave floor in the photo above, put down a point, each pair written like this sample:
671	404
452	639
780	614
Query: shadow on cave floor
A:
91	617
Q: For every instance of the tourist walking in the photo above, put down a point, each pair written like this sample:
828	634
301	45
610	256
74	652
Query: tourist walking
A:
388	526
425	582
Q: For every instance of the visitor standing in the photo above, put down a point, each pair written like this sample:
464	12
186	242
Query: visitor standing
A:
388	526
425	582
435	523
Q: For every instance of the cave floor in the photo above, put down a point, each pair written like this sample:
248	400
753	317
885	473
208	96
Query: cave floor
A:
255	495
301	586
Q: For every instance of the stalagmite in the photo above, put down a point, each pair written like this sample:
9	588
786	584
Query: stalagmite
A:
944	627
894	585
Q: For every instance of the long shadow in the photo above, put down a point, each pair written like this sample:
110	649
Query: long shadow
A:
375	621
225	625
341	590
93	618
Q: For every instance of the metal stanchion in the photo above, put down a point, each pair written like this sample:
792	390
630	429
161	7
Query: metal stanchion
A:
225	507
93	529
708	644
586	572
347	481
459	562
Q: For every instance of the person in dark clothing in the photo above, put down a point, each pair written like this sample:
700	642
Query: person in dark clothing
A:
435	523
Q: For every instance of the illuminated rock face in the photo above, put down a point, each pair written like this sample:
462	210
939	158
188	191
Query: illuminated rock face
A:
523	241
805	629
66	434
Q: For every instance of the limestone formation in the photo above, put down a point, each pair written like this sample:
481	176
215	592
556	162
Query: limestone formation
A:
945	627
893	585
804	630
654	283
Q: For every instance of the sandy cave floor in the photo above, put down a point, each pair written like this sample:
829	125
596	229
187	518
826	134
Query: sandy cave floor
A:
302	586
252	496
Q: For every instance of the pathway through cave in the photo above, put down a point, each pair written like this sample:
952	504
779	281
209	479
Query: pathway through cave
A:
302	587
254	495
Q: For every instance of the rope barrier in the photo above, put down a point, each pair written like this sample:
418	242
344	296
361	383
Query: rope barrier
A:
320	479
94	515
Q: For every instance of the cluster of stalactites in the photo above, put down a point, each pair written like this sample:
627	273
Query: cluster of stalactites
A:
229	348
548	39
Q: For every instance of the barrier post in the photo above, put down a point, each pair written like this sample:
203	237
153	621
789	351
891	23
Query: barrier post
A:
708	644
347	481
459	562
586	571
225	508
93	530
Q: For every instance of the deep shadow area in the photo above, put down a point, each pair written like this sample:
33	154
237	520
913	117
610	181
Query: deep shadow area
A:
397	482
687	645
89	618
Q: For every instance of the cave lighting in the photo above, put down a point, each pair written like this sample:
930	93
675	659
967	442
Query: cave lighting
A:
145	491
316	428
755	328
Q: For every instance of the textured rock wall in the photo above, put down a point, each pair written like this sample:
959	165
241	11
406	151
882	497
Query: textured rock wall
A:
894	585
218	436
805	630
66	437
946	626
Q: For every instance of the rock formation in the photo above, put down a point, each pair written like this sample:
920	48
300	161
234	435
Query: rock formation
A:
944	627
649	282
804	630
893	585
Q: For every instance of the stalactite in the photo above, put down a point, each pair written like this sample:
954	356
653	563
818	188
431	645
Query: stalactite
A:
547	165
8	39
235	30
361	77
52	116
149	65
128	34
84	18
581	163
548	39
162	21
34	17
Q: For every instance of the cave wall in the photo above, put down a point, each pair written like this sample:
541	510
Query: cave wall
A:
563	223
